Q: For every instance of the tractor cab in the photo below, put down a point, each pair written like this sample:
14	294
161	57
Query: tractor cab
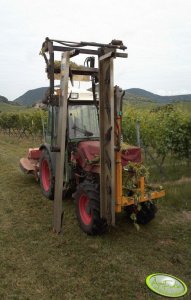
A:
82	116
82	122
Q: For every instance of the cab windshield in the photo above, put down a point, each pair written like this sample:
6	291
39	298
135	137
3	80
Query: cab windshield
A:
83	121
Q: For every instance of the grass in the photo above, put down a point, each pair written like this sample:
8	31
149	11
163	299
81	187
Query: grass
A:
4	107
141	103
13	108
38	264
184	106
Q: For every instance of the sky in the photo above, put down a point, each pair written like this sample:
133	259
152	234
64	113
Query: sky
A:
156	32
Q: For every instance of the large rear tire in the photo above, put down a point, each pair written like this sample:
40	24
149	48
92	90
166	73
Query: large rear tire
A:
46	175
88	208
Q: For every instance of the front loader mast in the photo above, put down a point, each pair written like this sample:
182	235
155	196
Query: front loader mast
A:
110	112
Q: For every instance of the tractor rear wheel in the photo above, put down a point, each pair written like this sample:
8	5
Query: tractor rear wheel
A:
46	175
88	208
145	214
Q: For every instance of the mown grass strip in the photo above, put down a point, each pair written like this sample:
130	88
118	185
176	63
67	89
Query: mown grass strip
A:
37	264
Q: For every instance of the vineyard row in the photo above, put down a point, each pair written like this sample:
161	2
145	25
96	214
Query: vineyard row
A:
165	130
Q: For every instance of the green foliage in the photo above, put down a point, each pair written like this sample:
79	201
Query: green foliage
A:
30	122
184	106
132	173
165	130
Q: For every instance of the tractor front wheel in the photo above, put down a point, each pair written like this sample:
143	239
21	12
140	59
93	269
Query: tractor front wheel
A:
88	208
46	175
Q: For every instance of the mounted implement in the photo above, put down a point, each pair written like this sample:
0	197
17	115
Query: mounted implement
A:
84	150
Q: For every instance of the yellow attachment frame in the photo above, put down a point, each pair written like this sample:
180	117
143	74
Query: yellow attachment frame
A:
140	196
122	201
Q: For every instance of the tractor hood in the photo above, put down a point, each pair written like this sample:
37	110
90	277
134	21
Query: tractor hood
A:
88	155
88	152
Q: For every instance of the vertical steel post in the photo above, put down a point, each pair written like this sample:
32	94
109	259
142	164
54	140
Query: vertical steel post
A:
61	138
107	152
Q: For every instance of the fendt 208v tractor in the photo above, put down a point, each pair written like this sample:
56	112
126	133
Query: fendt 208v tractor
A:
84	152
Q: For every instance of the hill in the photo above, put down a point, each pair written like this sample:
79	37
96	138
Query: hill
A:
31	97
134	95
3	99
6	105
146	96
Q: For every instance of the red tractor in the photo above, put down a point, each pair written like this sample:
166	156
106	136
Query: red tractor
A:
83	152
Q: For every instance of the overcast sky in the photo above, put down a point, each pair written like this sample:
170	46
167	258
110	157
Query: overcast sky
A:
156	32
